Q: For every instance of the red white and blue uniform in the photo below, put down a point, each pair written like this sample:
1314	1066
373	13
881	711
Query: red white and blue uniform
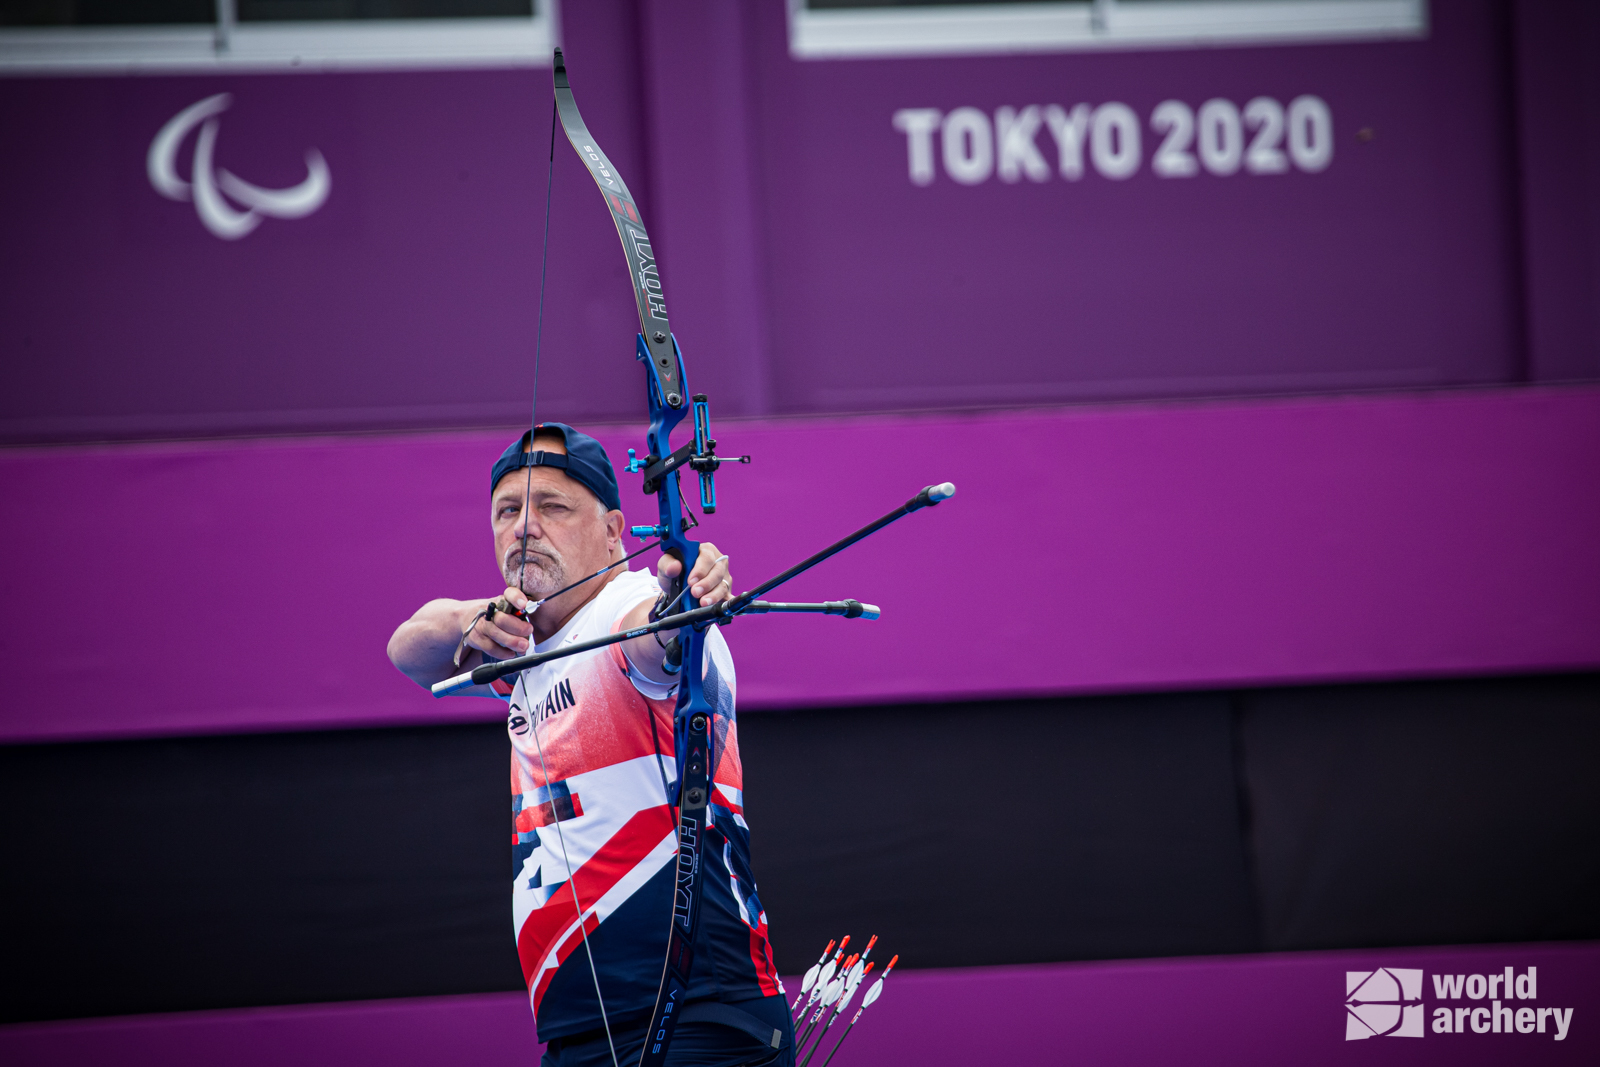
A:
606	735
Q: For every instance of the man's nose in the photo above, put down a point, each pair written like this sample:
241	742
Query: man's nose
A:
527	525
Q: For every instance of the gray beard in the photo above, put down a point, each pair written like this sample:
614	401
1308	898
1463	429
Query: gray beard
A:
542	575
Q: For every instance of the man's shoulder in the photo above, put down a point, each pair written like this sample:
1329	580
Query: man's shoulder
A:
628	589
634	587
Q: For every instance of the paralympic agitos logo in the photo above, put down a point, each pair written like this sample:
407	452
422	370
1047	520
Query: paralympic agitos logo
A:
1387	1002
219	195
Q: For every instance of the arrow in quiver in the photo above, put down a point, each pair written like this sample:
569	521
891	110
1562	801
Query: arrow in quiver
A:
834	984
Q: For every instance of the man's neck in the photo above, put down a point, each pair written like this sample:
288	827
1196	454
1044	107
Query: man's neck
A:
552	615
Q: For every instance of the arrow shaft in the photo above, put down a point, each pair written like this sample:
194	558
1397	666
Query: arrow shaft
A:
844	1035
821	1038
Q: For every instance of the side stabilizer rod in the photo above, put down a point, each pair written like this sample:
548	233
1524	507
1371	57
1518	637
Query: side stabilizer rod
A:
933	494
850	609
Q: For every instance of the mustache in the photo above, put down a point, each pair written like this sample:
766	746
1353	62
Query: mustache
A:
517	555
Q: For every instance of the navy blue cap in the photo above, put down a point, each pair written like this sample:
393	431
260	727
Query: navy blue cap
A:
586	462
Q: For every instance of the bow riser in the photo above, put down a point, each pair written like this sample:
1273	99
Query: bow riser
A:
675	542
691	793
664	418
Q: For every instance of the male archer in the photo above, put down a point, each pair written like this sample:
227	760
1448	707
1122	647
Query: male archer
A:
592	763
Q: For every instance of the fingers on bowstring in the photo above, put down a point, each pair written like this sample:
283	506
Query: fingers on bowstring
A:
503	620
490	639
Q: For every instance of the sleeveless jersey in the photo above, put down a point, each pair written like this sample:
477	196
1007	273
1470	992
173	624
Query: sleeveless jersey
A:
607	762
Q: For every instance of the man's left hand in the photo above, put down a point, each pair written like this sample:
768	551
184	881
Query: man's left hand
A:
709	580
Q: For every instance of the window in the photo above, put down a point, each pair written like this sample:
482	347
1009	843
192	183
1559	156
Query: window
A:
862	29
109	36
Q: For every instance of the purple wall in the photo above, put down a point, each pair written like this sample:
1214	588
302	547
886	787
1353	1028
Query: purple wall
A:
251	584
805	271
1558	118
409	299
254	584
1278	1009
1392	266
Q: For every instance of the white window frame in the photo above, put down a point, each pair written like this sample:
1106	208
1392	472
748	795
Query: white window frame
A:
367	44
1094	25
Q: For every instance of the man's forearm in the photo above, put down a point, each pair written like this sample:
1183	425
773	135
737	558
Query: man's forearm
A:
424	646
646	653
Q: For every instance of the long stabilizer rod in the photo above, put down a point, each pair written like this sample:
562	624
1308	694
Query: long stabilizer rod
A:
933	494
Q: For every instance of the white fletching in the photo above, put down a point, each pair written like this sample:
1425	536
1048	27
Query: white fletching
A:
856	972
831	994
822	981
873	994
942	492
849	995
811	978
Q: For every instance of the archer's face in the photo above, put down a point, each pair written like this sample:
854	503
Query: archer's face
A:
566	529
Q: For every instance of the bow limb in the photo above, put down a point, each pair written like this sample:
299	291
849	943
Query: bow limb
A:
666	367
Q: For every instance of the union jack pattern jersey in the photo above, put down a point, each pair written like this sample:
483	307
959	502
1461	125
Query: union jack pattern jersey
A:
606	736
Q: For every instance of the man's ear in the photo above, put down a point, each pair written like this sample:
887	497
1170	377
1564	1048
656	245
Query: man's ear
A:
616	523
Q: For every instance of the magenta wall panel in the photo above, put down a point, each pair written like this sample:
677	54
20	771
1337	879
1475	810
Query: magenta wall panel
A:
249	585
1280	1009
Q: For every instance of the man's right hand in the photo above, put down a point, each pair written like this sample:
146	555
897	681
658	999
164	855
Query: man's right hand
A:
424	647
504	635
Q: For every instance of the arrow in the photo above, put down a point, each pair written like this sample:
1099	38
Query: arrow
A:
830	994
872	994
526	614
850	977
850	987
811	976
858	971
823	978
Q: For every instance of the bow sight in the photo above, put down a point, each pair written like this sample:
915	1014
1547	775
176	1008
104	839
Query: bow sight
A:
700	455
